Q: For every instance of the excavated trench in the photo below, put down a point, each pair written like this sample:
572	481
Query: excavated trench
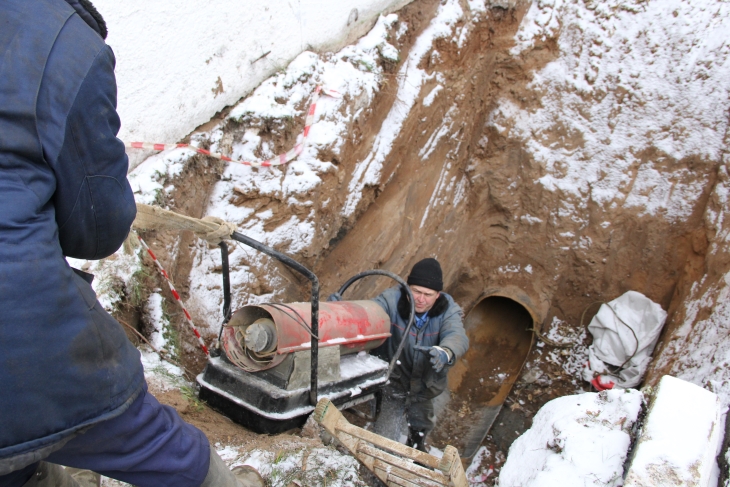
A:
513	257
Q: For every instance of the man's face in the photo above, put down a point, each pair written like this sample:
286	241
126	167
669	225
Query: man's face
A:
424	297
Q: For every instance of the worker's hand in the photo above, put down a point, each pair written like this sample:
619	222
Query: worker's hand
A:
334	297
439	356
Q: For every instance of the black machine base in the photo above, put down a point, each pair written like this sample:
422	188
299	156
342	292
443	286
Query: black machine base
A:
265	408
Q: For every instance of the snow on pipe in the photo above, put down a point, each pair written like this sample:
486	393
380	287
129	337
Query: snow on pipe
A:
259	337
276	161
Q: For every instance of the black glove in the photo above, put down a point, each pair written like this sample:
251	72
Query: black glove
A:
439	356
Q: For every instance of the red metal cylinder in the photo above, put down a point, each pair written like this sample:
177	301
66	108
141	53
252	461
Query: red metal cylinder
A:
351	325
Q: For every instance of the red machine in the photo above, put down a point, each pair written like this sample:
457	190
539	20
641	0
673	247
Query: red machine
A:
276	360
260	337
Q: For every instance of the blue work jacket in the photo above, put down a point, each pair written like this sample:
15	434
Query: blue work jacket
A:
65	364
415	375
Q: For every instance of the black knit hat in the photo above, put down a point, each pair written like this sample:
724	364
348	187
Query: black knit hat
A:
427	273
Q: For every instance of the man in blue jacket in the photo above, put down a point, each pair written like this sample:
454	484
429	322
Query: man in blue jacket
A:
436	340
72	389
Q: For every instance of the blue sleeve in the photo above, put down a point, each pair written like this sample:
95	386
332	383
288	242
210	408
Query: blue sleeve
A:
94	203
452	334
388	300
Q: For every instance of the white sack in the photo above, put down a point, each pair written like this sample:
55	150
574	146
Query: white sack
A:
614	343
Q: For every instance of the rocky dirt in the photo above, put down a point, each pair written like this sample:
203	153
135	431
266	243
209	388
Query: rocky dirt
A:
461	185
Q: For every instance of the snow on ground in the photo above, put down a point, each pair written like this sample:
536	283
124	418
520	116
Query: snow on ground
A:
410	80
579	440
317	466
355	74
571	356
147	180
294	464
637	89
115	277
476	474
160	373
700	346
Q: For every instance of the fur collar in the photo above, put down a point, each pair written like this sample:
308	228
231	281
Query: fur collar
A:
439	307
90	15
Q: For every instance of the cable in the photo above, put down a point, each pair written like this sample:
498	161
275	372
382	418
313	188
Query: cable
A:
300	321
636	349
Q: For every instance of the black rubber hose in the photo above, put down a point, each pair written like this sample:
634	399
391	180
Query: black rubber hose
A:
412	302
288	261
226	283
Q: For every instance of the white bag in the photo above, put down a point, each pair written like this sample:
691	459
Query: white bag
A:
625	332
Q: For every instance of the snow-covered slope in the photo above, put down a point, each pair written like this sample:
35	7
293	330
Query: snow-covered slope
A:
179	63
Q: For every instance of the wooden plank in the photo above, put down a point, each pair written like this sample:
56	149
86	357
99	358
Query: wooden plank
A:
392	478
388	444
414	471
388	459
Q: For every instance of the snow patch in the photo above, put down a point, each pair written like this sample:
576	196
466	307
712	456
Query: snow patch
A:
579	440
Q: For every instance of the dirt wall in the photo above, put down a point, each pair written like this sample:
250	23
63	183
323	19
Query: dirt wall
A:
511	175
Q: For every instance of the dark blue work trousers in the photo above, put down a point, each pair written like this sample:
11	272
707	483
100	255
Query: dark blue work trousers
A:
147	445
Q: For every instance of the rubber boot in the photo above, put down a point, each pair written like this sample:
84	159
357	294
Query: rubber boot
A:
220	476
51	475
417	439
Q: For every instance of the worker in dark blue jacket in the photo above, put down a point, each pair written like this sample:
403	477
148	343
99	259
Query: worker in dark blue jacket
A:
72	389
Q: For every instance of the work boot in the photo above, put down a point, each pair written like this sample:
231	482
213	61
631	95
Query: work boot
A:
219	475
417	440
51	475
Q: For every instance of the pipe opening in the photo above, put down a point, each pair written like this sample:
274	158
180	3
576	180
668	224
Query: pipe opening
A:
500	340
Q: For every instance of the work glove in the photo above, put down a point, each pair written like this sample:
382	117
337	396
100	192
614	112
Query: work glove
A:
439	356
334	297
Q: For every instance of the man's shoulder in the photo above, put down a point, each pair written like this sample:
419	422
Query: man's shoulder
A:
388	299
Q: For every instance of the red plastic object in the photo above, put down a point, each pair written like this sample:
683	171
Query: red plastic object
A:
601	386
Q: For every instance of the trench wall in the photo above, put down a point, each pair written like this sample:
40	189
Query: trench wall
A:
574	164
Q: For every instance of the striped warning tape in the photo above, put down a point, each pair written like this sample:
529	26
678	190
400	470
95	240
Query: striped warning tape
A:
176	295
276	161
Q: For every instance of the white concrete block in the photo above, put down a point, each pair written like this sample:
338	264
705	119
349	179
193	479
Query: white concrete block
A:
680	439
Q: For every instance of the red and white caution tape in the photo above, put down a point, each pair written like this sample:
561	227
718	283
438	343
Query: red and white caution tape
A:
276	161
176	295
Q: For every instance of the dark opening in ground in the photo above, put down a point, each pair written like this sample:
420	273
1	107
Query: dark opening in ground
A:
500	340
